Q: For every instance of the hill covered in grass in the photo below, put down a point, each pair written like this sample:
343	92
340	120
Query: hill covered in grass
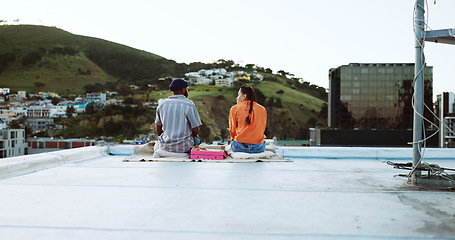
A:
290	112
38	58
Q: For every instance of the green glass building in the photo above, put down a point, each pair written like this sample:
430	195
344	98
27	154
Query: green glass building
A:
375	95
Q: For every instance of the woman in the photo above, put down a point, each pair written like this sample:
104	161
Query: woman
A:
247	122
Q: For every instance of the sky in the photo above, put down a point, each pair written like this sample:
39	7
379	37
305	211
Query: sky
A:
302	37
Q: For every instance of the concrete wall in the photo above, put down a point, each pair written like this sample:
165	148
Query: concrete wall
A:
14	166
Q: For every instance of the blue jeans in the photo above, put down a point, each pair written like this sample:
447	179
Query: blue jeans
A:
197	141
247	147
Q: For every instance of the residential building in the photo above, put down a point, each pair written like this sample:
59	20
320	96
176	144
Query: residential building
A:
96	96
22	94
19	110
40	124
38	118
4	120
445	110
62	106
114	101
40	145
243	78
4	91
12	142
43	103
206	77
80	104
14	99
224	83
375	96
38	112
204	81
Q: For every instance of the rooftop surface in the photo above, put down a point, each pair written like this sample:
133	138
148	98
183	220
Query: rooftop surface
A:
93	195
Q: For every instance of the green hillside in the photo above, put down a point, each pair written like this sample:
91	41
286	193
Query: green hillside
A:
35	58
297	112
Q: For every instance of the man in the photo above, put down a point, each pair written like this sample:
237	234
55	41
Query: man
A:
177	120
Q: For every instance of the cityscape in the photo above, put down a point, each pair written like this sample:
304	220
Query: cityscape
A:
370	103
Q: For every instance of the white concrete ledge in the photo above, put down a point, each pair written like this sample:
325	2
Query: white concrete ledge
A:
14	166
382	153
364	153
122	149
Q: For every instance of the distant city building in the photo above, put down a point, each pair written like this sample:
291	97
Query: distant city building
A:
14	99
243	78
40	124
114	101
63	106
12	143
94	97
38	118
40	145
19	110
38	112
4	120
224	83
4	91
375	96
204	81
43	103
206	77
445	110
80	101
22	94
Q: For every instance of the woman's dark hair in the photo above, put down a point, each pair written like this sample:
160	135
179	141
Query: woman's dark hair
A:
250	96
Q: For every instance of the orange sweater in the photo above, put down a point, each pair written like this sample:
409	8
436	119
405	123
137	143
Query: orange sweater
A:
240	130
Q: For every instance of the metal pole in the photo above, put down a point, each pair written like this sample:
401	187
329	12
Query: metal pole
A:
419	22
441	121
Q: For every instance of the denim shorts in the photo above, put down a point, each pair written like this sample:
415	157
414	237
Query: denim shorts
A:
247	147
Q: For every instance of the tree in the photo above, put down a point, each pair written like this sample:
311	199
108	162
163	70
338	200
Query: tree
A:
324	113
31	58
224	64
270	102
69	111
260	96
90	108
283	73
124	89
6	59
20	124
55	100
224	134
250	66
204	131
15	124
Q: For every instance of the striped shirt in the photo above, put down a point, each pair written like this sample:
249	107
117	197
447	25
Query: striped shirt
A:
178	116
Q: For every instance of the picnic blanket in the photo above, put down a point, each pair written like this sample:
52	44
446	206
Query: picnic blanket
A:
149	153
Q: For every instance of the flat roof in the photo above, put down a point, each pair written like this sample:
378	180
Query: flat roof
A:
94	195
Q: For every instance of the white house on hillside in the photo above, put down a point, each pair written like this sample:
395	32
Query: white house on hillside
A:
96	96
224	83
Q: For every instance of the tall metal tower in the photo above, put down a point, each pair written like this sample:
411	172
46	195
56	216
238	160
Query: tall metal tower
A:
421	35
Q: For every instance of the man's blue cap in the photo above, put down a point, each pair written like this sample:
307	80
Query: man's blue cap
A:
178	84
